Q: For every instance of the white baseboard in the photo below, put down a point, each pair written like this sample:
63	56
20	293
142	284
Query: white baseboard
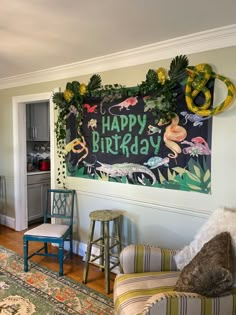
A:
7	221
80	249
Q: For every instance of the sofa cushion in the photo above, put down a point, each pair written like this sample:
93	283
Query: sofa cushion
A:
210	272
131	291
221	220
152	293
179	303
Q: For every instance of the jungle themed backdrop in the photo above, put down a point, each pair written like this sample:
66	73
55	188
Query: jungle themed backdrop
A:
149	135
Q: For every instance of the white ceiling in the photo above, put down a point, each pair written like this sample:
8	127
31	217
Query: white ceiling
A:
41	34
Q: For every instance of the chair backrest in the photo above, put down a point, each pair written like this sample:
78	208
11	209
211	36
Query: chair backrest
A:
60	205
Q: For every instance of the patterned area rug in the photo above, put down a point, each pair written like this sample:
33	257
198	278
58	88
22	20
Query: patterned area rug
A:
41	291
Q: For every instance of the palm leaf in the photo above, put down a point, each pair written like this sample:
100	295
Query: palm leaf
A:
69	86
151	76
59	100
178	67
75	87
95	82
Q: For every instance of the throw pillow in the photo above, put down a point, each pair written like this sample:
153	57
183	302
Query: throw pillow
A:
210	272
221	220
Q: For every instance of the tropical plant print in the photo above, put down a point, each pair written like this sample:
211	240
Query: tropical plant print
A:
124	142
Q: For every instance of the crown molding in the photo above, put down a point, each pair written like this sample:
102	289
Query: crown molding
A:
194	43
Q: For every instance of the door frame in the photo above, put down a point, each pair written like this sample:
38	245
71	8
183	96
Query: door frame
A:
20	152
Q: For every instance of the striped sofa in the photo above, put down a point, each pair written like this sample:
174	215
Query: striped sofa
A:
147	282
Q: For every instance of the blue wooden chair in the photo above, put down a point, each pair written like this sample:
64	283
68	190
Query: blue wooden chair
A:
57	227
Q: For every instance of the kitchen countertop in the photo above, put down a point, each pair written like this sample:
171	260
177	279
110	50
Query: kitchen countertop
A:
35	172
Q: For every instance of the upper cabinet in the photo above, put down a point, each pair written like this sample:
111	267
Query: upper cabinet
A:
37	122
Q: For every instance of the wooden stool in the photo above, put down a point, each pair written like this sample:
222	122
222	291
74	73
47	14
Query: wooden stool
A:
106	242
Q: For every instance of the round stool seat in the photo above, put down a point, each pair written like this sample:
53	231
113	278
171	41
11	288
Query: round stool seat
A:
104	215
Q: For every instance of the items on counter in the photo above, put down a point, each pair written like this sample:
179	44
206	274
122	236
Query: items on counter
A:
38	161
44	165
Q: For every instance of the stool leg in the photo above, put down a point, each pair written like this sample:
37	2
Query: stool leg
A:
107	256
88	254
117	226
101	262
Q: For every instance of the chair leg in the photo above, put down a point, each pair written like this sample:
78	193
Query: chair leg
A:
107	256
25	255
45	248
88	254
71	246
61	258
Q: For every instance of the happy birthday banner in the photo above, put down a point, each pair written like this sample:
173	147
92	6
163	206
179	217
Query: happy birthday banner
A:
155	134
123	142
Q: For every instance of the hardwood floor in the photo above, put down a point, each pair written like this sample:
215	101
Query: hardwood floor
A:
72	268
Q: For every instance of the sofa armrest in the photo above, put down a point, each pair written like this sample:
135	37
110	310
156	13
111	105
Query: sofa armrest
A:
144	258
173	302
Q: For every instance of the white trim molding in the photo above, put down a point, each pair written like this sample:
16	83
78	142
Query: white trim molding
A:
80	249
194	43
19	154
147	204
7	221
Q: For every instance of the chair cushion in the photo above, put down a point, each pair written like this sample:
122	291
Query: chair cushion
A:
48	230
210	272
131	291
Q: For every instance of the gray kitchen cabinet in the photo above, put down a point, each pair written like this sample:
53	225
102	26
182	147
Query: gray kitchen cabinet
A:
37	121
37	186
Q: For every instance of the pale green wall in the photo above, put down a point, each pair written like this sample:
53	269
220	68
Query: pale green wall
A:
145	208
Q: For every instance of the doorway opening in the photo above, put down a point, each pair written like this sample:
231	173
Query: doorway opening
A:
20	156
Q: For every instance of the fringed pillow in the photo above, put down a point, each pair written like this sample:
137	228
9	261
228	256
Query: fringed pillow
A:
210	272
221	220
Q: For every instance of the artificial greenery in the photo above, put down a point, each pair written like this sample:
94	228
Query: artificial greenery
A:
159	86
72	96
158	90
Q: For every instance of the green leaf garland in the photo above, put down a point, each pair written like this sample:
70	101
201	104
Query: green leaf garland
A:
159	89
